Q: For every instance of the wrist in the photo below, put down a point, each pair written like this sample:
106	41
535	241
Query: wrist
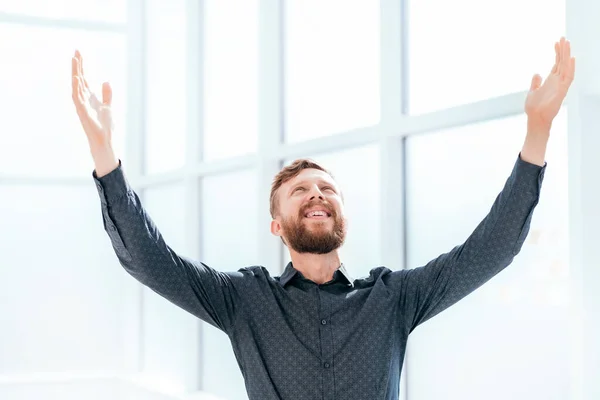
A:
105	159
538	127
534	148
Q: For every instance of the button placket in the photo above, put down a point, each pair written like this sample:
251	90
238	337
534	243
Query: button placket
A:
326	345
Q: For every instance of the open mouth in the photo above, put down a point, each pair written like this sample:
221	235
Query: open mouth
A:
317	214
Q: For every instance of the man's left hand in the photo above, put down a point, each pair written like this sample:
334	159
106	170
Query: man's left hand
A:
545	99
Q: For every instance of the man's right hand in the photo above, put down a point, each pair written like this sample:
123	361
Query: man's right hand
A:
95	117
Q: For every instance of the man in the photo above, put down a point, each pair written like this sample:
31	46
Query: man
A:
314	332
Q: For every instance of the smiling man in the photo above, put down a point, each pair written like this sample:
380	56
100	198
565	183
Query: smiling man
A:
314	332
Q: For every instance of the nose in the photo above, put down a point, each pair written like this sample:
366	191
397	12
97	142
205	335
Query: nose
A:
316	193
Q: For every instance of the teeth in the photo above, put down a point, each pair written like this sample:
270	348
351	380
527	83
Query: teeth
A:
317	213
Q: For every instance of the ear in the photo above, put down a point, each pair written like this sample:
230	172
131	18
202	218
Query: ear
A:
275	228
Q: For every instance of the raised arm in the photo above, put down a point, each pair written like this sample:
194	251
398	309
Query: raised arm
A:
206	293
428	290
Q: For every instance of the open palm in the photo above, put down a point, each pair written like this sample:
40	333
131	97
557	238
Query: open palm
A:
544	100
95	116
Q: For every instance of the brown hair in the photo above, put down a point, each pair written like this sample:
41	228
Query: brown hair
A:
288	173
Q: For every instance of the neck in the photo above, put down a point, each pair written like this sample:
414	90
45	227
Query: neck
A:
319	268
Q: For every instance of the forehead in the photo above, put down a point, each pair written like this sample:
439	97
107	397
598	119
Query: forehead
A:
310	175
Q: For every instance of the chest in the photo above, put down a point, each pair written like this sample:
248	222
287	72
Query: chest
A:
315	319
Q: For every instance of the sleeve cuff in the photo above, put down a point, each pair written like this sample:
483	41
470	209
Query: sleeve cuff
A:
112	186
529	176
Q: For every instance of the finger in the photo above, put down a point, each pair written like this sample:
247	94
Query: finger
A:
81	90
536	82
76	91
571	71
74	67
106	94
79	99
85	83
565	57
561	56
82	111
556	58
78	57
76	79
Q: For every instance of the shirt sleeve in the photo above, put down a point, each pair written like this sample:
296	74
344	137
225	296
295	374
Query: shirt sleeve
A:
195	287
430	289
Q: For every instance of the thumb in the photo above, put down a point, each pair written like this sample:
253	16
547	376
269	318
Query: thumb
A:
536	82
106	94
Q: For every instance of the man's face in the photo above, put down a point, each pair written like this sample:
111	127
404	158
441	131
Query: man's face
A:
311	214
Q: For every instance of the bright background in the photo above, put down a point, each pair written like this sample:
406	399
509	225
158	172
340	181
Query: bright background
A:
415	105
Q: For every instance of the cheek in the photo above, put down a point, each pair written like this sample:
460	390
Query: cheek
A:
291	210
339	206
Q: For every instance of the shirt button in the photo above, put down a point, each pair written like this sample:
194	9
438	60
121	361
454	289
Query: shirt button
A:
326	365
323	322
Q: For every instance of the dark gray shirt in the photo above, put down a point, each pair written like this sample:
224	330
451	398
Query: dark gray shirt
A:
297	340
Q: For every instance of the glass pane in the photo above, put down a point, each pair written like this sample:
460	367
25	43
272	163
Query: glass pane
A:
356	171
61	285
97	10
523	310
166	86
230	220
42	135
169	331
166	207
231	78
457	58
331	67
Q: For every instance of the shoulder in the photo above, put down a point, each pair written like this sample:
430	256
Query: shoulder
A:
381	273
256	273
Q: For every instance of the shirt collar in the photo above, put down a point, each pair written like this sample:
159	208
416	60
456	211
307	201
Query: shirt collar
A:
290	272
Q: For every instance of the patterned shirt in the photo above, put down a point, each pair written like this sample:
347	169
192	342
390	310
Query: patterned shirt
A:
298	340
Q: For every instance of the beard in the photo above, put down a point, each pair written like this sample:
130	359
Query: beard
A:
318	239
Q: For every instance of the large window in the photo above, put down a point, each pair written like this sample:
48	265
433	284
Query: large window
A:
166	84
469	50
331	67
514	322
112	11
230	78
230	220
187	79
41	134
56	270
62	289
163	322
